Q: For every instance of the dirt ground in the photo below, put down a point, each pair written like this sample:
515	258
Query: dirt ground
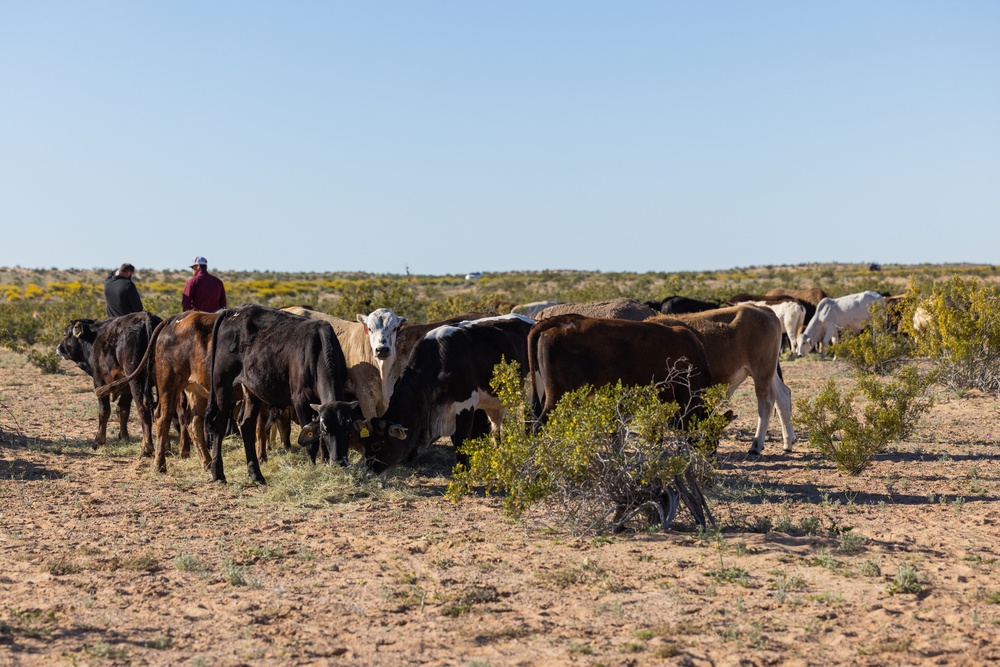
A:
105	562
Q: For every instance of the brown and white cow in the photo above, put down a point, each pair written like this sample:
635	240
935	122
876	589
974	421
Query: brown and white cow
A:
743	341
108	350
569	351
369	347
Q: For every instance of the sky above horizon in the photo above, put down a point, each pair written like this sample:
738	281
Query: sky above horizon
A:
448	137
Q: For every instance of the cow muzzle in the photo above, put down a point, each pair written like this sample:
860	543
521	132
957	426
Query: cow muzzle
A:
382	352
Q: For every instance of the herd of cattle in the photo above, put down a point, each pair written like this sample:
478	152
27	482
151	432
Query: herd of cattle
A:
388	387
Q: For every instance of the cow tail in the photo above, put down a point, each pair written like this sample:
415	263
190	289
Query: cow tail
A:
536	399
106	390
780	376
213	410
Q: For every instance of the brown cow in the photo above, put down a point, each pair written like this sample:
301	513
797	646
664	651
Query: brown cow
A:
740	341
178	356
812	295
621	308
566	352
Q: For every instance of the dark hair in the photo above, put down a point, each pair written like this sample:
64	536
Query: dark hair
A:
126	268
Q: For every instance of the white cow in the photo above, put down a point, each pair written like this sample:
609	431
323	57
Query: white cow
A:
792	315
849	312
369	347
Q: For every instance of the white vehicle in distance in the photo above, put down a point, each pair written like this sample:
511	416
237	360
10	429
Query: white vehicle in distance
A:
475	275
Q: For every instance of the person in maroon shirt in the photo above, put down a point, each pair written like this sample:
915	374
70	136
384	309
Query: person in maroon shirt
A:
203	291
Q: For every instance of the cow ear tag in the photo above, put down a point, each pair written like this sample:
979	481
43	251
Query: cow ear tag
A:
364	432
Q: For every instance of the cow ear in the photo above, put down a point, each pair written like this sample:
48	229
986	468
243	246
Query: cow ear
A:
362	319
77	329
309	434
401	320
315	406
362	427
398	432
354	404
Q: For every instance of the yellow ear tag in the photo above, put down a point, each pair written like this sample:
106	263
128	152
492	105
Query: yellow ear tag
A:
364	432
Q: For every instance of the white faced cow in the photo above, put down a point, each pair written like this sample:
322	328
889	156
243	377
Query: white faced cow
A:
849	312
792	316
369	347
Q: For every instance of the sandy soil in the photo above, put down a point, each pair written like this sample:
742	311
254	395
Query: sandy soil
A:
105	562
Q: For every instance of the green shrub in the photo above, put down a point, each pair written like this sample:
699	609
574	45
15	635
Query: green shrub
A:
604	457
889	411
880	347
962	336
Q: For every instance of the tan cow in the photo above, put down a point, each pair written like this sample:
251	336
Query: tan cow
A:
743	341
369	347
621	309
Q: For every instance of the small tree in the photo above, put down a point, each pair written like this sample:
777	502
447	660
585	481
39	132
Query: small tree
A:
605	457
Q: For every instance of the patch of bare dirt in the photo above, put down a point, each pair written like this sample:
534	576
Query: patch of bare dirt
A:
105	562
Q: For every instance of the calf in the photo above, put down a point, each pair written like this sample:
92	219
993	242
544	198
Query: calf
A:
849	312
281	360
567	352
448	372
743	341
107	350
791	314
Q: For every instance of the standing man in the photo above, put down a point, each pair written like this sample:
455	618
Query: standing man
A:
203	291
120	292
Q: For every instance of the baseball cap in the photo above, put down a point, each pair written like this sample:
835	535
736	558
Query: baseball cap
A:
199	260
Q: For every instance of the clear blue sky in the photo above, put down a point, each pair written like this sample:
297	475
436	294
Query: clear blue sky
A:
447	137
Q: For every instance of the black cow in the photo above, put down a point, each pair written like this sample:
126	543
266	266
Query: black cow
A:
449	371
678	305
110	349
281	360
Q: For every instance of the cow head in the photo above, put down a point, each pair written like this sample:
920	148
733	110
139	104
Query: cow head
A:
387	444
77	344
381	326
804	346
336	426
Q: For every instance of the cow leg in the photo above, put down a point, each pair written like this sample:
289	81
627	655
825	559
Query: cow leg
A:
765	406
103	414
464	422
166	408
124	409
249	416
145	419
263	433
285	429
783	401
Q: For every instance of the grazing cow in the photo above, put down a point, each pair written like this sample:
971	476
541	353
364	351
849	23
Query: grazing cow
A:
449	371
533	308
743	341
621	308
107	350
810	309
792	315
812	295
849	312
369	347
566	352
178	361
281	360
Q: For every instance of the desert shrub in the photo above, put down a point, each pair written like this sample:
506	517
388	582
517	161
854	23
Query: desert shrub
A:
46	361
962	337
605	456
881	346
890	410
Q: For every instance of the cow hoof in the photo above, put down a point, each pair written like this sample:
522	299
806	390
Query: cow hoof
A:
95	446
220	480
754	452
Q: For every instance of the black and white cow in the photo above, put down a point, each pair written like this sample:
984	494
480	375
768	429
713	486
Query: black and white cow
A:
448	373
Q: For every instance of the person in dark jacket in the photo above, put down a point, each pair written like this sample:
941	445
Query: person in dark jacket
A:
120	292
203	291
